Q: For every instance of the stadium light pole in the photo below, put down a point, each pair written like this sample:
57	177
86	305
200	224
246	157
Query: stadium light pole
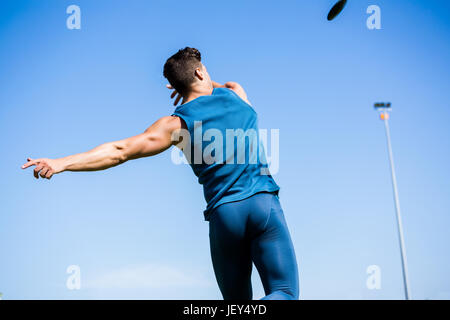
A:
384	109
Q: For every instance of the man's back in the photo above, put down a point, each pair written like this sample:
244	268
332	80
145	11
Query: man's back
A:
223	148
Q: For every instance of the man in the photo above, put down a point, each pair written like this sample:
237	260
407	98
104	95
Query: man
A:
245	218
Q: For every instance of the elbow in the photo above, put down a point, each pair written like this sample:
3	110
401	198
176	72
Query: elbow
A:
119	154
120	158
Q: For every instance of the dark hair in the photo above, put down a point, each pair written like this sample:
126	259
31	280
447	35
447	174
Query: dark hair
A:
179	69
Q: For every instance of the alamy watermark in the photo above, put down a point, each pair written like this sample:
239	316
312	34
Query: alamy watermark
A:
237	147
374	20
373	282
74	279
74	20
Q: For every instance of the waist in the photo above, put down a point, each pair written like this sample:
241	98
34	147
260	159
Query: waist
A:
243	194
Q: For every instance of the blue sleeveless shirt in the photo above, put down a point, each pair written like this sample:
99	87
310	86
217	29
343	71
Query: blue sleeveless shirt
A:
224	149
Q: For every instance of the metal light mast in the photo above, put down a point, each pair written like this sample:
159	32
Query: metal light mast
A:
384	109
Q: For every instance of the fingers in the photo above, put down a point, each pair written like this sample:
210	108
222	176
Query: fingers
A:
177	100
44	171
30	163
36	170
49	174
231	84
174	94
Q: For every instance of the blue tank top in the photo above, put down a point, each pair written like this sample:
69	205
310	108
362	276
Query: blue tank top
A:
223	148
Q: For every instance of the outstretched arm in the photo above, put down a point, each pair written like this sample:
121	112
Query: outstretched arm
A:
156	139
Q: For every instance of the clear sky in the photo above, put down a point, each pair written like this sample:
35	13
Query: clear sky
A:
137	230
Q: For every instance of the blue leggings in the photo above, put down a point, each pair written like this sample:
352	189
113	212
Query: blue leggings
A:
253	229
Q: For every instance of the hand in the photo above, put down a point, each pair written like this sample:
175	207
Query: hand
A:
45	168
232	85
236	87
174	93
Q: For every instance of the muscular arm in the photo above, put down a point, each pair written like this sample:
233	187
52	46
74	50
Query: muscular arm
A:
156	139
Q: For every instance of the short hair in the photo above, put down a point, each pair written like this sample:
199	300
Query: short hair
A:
179	69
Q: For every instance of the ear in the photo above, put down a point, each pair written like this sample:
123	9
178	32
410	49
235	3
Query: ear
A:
199	74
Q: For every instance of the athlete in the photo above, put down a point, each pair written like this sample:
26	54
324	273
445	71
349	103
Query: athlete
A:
246	221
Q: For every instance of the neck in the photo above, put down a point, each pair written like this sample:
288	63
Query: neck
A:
197	92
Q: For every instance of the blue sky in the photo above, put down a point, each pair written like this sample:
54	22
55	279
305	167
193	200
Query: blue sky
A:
137	230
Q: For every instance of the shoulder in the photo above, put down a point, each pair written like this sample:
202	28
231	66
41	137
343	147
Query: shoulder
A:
221	91
225	92
168	120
